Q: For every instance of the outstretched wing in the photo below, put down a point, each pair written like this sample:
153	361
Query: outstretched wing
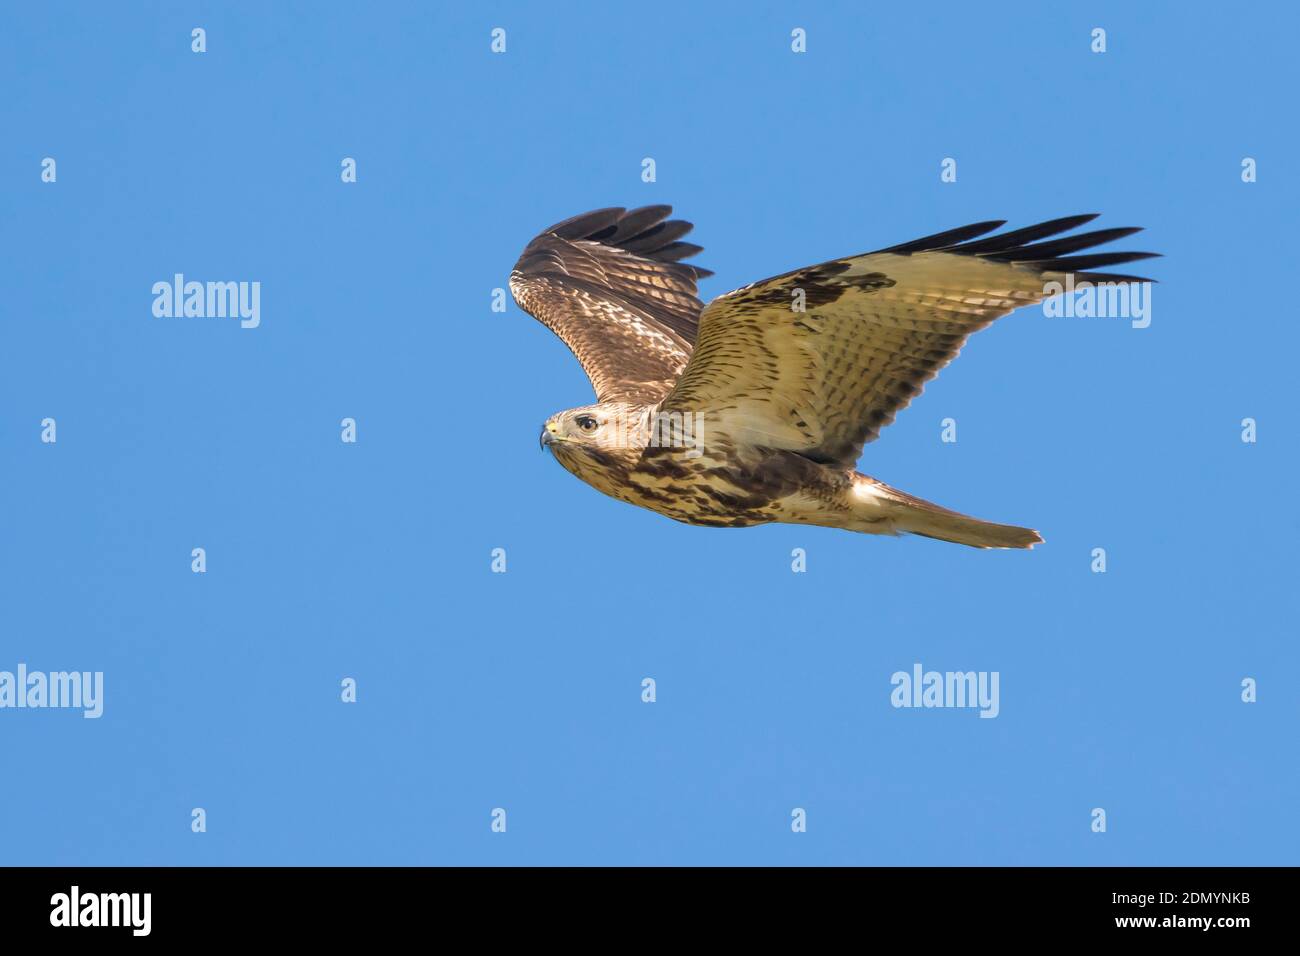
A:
610	285
876	327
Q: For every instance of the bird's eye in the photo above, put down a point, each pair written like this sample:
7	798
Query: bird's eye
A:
586	423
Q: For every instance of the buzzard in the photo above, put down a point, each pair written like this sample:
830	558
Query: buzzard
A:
756	407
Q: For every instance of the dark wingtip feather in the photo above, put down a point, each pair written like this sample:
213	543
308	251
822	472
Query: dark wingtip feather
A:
646	231
944	240
1082	263
584	224
1098	278
635	222
657	235
674	251
1021	247
1017	238
1059	247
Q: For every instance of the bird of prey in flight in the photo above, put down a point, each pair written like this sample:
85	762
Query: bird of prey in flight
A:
756	407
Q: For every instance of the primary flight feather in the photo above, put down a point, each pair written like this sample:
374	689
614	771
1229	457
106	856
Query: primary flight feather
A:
756	408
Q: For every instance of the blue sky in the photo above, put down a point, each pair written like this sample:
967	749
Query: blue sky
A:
522	690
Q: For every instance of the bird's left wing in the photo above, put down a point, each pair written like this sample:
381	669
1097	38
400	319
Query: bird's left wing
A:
819	360
610	285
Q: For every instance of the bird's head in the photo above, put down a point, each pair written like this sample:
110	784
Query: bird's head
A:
608	430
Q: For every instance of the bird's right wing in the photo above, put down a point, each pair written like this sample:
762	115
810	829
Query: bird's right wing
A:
874	329
610	285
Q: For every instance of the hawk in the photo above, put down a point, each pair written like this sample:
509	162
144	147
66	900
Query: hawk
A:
756	407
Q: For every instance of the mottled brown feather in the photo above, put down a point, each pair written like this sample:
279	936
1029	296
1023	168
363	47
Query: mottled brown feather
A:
608	284
875	328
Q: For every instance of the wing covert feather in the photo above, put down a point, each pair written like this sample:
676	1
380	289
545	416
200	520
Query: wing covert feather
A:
874	329
610	285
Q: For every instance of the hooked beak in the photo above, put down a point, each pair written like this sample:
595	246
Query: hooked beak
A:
548	435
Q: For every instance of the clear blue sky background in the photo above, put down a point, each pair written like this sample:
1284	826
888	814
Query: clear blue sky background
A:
479	690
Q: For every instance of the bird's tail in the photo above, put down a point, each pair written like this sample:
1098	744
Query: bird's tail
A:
909	514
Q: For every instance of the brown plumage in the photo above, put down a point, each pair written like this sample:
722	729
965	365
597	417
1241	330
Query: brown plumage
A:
756	408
